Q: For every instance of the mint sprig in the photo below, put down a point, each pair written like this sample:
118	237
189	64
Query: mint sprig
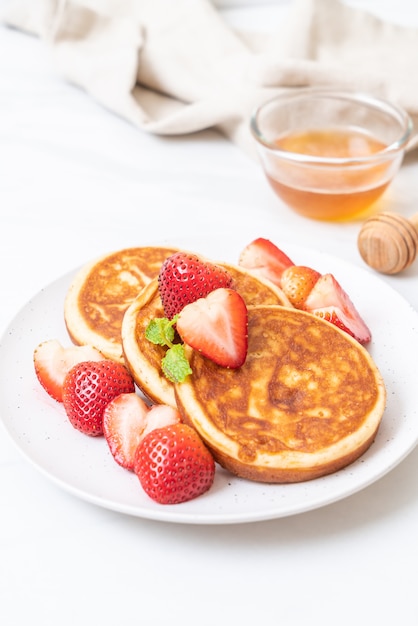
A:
174	364
160	331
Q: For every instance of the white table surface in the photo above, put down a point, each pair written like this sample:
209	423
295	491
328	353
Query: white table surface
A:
75	182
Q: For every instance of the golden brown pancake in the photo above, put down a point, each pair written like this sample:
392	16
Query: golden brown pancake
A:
143	358
102	291
307	402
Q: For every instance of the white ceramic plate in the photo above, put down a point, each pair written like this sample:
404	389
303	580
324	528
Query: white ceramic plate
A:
84	466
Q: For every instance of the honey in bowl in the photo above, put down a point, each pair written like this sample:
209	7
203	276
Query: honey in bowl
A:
329	188
330	154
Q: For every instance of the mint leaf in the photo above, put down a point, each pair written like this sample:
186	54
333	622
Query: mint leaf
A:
175	365
160	331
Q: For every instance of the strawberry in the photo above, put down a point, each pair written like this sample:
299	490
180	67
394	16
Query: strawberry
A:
124	421
184	277
173	464
216	326
265	259
329	301
88	388
127	420
161	415
297	281
52	362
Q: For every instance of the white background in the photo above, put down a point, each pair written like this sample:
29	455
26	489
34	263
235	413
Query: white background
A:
75	182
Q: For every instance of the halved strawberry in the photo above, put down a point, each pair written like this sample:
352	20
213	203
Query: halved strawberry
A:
216	326
52	362
173	464
127	420
88	388
265	259
329	301
297	282
185	277
124	421
159	416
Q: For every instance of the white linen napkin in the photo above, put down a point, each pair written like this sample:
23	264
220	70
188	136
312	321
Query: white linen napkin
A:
175	66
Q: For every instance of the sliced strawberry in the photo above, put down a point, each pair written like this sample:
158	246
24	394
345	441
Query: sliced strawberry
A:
329	301
159	416
185	277
297	282
173	464
124	423
89	387
216	326
52	362
265	259
127	420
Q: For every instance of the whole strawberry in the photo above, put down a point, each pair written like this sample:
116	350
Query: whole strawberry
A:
297	282
88	388
184	278
173	464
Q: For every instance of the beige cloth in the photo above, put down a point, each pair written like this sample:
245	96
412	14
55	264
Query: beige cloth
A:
175	66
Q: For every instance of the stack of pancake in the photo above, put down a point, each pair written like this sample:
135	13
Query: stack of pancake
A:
307	402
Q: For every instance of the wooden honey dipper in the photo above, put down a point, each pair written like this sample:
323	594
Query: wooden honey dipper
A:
388	242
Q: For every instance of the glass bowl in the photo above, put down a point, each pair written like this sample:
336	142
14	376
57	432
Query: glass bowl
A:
330	155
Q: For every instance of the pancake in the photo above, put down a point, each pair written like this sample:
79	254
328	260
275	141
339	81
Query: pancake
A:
143	358
307	402
101	292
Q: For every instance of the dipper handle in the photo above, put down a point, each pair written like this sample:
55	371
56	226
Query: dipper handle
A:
414	221
388	242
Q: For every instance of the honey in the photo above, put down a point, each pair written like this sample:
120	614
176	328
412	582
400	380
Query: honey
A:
330	190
